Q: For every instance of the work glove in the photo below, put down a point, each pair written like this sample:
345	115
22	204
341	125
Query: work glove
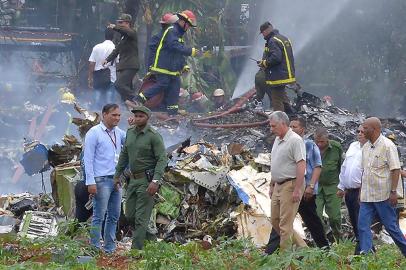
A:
185	69
196	52
262	64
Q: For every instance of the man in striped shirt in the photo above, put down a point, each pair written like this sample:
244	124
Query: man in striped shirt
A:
381	168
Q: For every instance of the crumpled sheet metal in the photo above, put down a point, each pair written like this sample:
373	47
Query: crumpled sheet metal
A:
38	224
208	179
257	227
252	188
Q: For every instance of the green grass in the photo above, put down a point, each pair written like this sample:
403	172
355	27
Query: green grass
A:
225	254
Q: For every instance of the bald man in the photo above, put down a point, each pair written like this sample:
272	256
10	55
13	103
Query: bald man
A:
381	168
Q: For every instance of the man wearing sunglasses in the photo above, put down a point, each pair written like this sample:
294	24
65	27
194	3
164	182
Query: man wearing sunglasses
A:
350	180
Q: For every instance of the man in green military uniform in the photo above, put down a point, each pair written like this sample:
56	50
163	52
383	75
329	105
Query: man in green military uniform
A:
145	154
331	154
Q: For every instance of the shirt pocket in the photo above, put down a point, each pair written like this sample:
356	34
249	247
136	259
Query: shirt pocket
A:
378	162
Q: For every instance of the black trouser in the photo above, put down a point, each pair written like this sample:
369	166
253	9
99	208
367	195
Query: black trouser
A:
81	198
307	210
352	203
124	83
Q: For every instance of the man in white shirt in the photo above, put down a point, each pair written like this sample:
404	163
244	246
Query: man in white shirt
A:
101	78
350	180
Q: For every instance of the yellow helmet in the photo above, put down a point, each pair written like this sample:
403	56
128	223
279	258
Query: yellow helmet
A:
68	98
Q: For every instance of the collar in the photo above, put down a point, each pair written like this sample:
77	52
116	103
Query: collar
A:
105	128
287	135
377	141
144	130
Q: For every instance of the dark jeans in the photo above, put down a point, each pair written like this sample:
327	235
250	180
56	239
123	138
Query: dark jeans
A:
124	83
352	203
81	198
307	210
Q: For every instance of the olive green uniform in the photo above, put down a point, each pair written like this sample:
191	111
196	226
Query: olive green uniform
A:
328	181
143	150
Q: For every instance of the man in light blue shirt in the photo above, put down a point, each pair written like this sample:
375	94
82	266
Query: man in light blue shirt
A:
103	144
307	207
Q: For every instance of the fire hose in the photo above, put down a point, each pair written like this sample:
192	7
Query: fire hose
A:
198	122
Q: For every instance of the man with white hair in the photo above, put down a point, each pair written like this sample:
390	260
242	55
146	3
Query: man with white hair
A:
288	164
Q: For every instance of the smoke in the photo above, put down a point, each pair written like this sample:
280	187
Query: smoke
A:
300	21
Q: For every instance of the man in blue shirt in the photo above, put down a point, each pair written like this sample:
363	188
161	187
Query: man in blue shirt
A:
102	148
307	207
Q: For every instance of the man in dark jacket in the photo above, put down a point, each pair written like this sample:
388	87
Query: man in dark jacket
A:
170	61
127	49
278	64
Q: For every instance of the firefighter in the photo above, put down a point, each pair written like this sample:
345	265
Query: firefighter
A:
278	65
167	20
219	99
169	62
199	103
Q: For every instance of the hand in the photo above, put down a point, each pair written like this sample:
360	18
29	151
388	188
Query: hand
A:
111	25
393	199
152	188
117	183
340	193
196	52
104	63
296	196
308	194
262	64
185	69
271	190
130	121
92	189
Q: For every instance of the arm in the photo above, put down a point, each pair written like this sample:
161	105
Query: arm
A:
122	160
88	158
113	55
160	155
300	172
394	167
174	44
275	54
130	32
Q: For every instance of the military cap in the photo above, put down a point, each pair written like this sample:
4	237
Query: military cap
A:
264	26
125	17
141	109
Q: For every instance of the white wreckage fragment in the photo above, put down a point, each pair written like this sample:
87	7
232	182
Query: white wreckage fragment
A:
252	188
38	224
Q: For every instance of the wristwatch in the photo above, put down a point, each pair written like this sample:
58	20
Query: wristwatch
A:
393	191
311	186
156	182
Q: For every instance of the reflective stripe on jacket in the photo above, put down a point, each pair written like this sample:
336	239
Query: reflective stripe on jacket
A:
171	52
278	54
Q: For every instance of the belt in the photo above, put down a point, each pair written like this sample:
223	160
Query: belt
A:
137	175
108	176
285	180
352	189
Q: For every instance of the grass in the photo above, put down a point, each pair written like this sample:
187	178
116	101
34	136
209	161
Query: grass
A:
61	253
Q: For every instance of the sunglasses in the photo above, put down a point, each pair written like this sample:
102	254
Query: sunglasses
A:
360	131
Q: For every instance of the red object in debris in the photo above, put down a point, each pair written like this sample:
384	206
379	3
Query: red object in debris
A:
199	122
156	100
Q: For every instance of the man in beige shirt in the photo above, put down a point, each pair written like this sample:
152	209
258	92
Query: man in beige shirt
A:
288	169
381	168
